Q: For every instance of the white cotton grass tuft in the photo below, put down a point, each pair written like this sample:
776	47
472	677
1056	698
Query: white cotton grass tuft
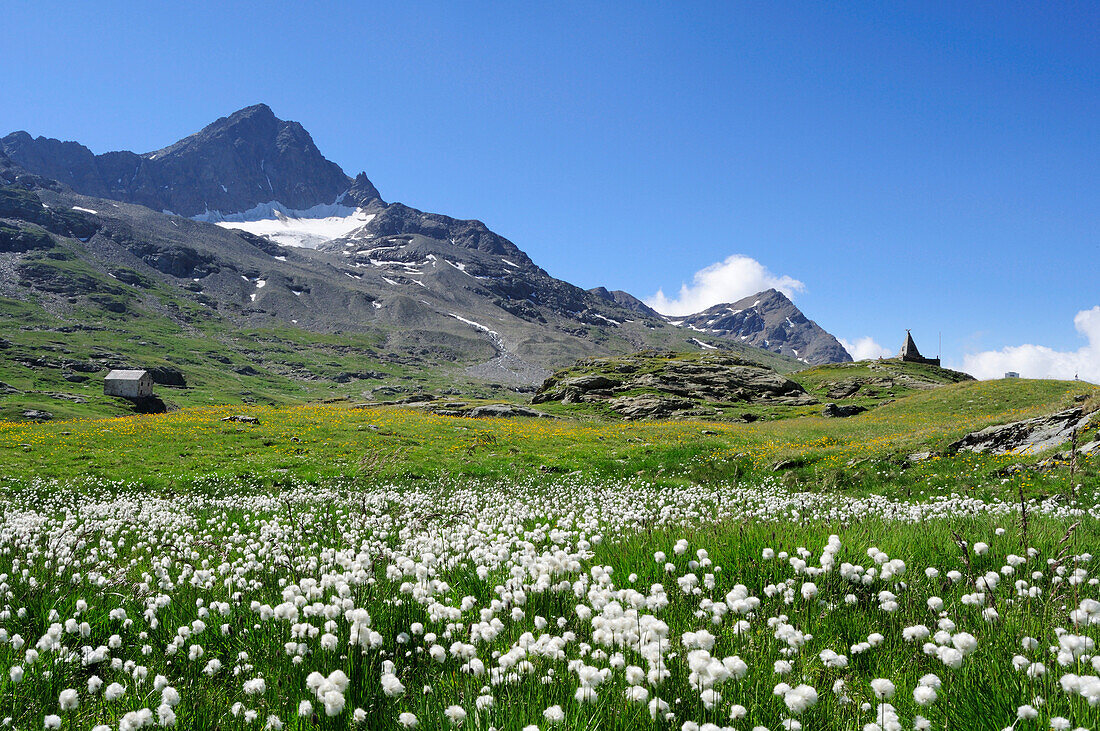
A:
68	700
882	688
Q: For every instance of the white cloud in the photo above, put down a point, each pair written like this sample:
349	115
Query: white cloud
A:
1039	361
725	281
866	349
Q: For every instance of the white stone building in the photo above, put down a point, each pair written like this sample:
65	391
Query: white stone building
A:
128	384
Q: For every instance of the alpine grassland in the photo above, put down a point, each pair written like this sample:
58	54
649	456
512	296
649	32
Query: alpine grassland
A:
332	566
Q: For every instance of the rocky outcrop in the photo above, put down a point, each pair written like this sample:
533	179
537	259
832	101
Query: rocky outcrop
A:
20	204
1030	436
241	419
658	384
505	411
769	320
398	219
846	388
23	239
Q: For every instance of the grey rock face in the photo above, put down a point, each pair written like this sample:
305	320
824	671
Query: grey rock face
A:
1030	436
505	411
769	320
232	165
649	406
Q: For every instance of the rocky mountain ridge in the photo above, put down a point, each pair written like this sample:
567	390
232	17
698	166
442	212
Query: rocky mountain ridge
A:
252	166
230	166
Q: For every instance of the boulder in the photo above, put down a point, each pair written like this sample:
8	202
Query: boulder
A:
149	405
349	376
1029	436
719	381
416	398
241	419
37	415
505	411
168	376
68	397
844	389
833	411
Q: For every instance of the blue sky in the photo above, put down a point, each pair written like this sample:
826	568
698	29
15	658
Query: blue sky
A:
932	166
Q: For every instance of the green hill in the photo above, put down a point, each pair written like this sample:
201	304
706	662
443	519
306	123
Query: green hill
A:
326	440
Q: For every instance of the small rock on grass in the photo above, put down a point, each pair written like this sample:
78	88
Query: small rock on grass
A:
242	419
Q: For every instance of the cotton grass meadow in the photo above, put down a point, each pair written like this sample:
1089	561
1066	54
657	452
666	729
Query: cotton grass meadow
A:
543	605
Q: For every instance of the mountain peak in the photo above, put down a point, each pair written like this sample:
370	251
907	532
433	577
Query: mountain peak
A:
769	320
256	112
771	294
260	109
247	159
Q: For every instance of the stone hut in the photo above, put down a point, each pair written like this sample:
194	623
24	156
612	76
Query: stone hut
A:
910	354
129	384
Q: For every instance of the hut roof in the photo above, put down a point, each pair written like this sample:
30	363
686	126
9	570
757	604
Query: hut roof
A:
126	375
909	348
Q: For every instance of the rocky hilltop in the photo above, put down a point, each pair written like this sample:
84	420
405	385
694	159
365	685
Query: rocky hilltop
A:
651	384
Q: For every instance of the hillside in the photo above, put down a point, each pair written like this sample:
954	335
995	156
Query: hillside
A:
724	387
871	381
320	441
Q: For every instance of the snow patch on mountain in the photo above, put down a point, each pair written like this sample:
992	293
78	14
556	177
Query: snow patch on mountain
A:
308	228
